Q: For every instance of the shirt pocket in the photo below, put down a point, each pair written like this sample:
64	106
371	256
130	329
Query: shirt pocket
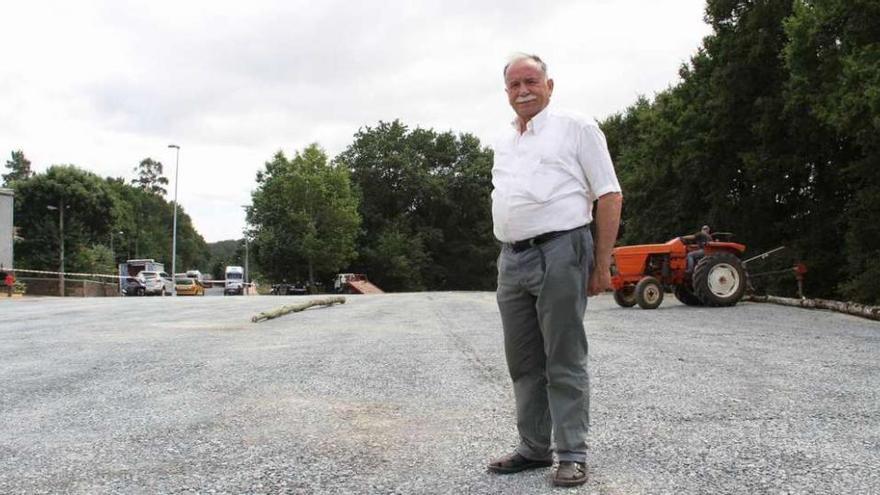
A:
548	178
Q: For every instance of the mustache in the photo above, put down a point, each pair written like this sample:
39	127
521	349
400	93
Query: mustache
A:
525	99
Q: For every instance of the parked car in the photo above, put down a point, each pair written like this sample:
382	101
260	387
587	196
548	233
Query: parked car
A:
156	283
133	286
188	287
129	283
285	289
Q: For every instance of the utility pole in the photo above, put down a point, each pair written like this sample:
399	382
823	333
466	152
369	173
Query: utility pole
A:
60	209
112	251
61	228
174	229
246	271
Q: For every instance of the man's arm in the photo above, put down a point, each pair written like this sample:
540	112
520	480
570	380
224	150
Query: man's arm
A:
607	220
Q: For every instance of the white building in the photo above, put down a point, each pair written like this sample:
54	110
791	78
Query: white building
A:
6	196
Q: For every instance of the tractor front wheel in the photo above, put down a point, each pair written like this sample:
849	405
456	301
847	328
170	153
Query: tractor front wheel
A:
649	293
719	280
625	297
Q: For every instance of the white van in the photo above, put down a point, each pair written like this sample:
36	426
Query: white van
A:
234	281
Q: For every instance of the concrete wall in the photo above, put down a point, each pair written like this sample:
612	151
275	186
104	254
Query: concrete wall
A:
39	286
5	228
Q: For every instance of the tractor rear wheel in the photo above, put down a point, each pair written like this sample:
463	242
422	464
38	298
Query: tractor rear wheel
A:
719	280
687	297
625	297
649	293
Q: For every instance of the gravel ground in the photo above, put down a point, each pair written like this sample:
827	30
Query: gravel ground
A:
408	394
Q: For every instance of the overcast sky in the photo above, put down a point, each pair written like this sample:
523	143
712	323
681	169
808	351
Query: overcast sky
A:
104	84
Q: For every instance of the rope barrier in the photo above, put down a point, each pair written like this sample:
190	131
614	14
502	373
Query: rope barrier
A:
117	277
78	274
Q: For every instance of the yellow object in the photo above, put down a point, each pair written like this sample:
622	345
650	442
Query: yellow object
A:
188	287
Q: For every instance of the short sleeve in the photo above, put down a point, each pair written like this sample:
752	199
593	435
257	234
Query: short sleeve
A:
596	161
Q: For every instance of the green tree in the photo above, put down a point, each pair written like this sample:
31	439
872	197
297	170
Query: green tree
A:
98	213
96	258
303	217
833	58
151	230
425	202
143	229
89	207
150	178
19	168
223	254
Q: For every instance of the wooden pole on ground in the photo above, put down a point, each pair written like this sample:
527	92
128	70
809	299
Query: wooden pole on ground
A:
850	308
295	308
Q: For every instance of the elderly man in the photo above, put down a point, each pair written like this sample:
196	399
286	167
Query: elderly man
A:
548	171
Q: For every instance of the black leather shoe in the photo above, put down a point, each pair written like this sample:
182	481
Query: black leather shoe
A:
570	474
515	463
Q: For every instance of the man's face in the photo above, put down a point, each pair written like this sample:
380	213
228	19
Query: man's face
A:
528	89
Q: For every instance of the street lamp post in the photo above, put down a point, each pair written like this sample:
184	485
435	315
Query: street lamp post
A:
60	209
174	228
246	271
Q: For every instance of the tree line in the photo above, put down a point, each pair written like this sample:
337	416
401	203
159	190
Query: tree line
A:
106	220
408	207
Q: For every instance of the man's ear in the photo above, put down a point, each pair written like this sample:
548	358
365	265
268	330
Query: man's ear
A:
550	85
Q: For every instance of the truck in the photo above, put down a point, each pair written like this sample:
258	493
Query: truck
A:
234	281
129	283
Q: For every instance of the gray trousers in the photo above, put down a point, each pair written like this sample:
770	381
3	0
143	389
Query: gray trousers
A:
542	296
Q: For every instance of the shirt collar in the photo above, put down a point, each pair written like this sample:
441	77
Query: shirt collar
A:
536	123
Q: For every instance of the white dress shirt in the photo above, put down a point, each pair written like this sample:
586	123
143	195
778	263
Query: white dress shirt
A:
547	178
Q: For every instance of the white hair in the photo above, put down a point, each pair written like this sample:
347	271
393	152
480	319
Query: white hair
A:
516	57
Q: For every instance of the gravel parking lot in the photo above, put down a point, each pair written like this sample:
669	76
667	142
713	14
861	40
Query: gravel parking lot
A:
409	394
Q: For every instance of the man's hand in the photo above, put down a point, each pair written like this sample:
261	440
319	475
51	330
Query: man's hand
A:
600	281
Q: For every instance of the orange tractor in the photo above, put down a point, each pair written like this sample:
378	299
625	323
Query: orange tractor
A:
641	274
